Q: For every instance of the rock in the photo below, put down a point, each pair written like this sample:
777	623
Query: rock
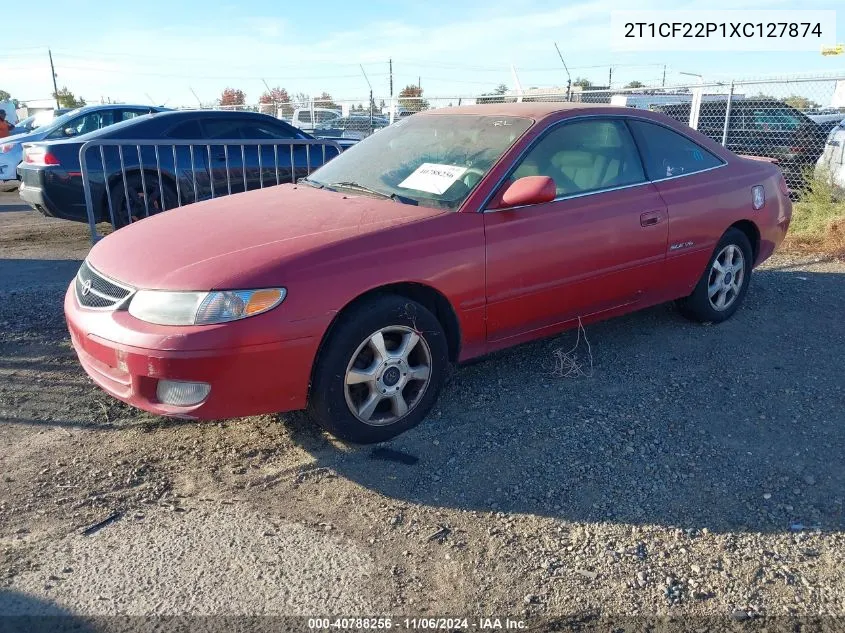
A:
739	615
767	496
530	599
809	480
641	575
696	569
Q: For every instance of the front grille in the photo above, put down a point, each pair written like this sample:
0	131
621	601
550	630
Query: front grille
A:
94	290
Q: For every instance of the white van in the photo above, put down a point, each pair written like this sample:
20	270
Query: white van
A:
831	163
302	117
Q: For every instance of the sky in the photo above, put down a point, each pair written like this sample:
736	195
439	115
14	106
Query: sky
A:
166	52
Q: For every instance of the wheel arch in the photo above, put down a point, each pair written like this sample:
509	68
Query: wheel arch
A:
424	294
752	232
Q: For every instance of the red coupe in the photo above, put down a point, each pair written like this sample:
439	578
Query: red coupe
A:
445	236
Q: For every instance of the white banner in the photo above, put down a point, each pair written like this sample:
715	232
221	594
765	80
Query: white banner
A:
746	30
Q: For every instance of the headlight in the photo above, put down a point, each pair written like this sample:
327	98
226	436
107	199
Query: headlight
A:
202	308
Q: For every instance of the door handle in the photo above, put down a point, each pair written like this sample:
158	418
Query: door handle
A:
650	218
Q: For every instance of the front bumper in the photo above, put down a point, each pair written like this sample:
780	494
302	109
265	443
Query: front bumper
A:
246	380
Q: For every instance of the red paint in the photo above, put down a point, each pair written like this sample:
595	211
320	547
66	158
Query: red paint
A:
528	190
510	275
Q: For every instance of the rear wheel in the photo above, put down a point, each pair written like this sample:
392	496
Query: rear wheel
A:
140	197
723	286
380	370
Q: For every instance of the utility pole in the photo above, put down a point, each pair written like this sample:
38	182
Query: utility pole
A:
610	76
664	76
568	76
53	73
390	61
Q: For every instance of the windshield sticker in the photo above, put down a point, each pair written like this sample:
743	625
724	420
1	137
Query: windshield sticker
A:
433	178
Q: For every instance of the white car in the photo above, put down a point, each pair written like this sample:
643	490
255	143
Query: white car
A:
831	163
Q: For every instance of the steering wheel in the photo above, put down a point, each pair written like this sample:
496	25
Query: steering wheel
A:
472	171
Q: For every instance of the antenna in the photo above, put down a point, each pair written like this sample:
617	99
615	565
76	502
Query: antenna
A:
568	77
195	96
370	106
147	95
516	82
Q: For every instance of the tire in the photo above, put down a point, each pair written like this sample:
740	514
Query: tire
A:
382	378
731	286
135	186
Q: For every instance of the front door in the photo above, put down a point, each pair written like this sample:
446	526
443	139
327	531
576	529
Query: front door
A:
600	244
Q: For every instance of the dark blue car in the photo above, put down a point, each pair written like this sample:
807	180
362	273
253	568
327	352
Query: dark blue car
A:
140	180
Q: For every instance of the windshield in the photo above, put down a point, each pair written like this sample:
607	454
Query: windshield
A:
60	120
433	161
26	124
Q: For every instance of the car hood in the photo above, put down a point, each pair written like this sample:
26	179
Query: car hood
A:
244	239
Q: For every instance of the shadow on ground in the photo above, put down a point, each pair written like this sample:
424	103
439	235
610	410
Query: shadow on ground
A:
732	427
737	426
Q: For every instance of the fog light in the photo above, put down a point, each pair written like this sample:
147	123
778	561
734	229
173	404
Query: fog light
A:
180	393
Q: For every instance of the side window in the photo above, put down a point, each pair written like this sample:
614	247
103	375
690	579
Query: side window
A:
259	130
585	156
667	153
775	120
187	130
222	129
83	124
303	116
131	114
322	117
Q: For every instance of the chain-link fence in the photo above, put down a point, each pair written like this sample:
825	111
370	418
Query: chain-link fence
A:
787	119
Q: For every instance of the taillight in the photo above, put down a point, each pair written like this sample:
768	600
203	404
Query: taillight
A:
39	156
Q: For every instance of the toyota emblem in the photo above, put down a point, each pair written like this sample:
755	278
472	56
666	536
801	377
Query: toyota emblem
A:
86	287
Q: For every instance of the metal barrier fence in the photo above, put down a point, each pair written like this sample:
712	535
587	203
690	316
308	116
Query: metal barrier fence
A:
126	180
785	119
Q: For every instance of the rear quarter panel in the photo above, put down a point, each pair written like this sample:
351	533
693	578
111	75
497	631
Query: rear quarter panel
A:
703	206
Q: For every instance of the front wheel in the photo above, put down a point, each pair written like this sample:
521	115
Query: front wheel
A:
723	286
380	370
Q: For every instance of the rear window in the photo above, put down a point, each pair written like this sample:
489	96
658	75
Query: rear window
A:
667	153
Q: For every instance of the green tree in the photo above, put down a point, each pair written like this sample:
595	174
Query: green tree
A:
801	103
5	96
411	99
66	99
583	83
635	84
497	96
325	101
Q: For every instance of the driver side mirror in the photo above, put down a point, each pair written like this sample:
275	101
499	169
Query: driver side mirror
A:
526	191
70	131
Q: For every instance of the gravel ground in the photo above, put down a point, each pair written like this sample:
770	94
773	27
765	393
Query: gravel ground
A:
695	471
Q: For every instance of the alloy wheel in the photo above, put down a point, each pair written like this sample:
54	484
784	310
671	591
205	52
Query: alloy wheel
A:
387	375
727	274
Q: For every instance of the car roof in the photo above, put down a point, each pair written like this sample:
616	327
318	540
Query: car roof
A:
112	106
533	109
